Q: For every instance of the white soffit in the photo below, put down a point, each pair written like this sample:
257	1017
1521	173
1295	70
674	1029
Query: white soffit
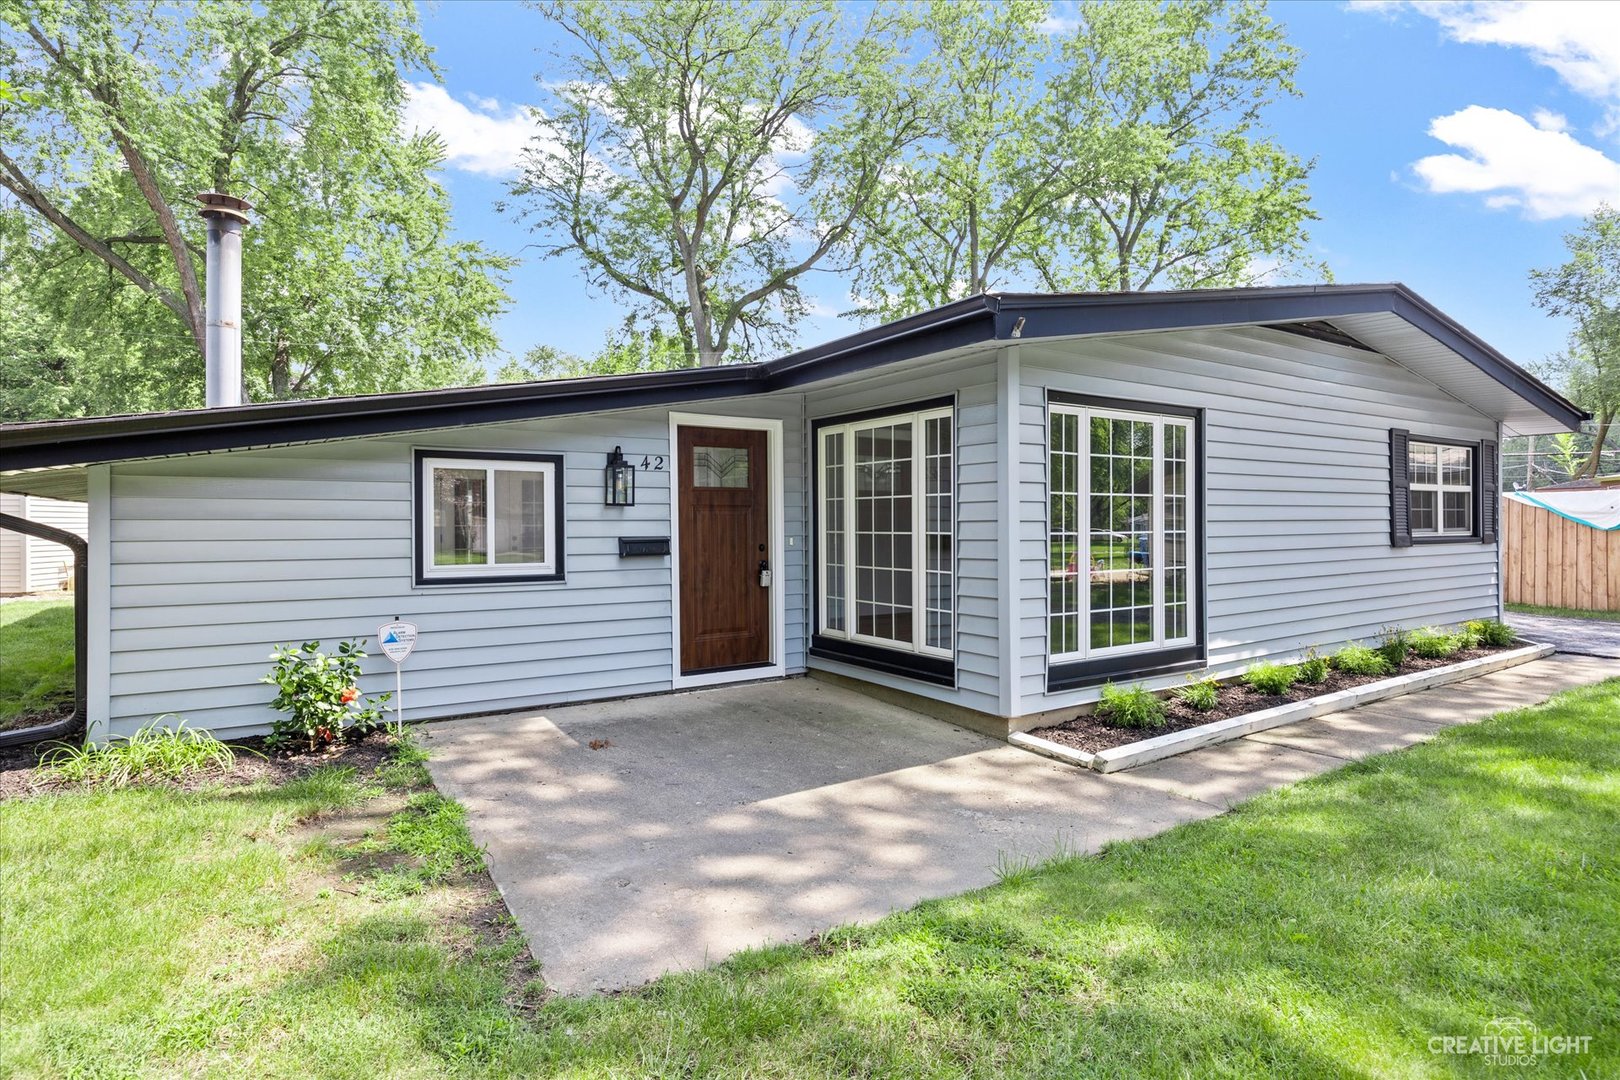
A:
1417	351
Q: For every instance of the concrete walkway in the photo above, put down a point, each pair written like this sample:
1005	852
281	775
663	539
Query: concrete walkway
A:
1581	637
712	821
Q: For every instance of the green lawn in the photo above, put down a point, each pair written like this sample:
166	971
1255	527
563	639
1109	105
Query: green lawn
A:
36	657
1565	612
1326	929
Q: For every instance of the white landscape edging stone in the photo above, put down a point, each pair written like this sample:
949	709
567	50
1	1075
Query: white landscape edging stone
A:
1179	742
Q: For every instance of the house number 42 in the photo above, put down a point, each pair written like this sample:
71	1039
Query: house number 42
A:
654	463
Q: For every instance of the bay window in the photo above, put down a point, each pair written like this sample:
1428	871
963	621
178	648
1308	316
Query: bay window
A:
886	515
1122	536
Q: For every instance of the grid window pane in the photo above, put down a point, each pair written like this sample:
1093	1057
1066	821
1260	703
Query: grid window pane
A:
1120	542
883	541
938	529
833	529
1442	489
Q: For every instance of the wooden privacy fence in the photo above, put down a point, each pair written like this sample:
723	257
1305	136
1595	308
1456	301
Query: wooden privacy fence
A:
1555	562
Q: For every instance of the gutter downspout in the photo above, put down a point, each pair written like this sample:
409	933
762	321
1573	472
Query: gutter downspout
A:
81	632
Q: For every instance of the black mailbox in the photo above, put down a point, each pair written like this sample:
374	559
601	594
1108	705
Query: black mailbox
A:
630	546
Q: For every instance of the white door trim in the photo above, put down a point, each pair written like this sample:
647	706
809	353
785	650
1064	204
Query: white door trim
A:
778	515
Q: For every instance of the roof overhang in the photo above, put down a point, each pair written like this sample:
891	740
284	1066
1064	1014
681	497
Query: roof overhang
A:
1390	318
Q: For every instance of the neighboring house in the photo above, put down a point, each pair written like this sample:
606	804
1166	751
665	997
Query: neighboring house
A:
993	508
29	564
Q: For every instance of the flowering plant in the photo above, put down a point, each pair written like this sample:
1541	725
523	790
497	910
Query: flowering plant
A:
319	693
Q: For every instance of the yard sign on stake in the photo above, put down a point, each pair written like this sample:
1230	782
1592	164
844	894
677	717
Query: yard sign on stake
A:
397	639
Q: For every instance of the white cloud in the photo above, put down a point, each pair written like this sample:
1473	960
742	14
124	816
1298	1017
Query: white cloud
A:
1547	120
1514	163
1579	40
486	137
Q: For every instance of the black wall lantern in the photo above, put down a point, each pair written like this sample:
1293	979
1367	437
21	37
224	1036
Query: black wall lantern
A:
621	481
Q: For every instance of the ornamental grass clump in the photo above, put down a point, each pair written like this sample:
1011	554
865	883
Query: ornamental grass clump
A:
1361	660
1270	679
1201	695
1493	632
156	752
1393	646
1313	670
1135	707
1432	643
320	694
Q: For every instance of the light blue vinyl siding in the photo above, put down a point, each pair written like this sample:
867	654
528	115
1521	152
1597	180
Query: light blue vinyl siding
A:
972	380
1297	489
217	558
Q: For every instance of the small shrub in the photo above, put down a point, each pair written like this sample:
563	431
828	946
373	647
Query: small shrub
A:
1467	636
1493	632
1361	660
1313	670
1432	643
1271	679
318	692
1393	646
1201	695
1135	707
152	753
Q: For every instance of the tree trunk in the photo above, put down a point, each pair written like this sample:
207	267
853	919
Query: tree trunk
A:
1594	462
280	372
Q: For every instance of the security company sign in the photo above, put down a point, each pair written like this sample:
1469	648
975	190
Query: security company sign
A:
396	640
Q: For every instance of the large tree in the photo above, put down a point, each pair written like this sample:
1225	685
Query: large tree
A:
701	157
1190	189
962	210
1128	151
120	111
1586	289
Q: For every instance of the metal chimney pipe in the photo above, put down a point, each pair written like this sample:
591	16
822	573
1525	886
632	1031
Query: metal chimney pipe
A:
222	350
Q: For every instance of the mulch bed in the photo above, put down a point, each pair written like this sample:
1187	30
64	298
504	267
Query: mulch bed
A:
1088	733
22	776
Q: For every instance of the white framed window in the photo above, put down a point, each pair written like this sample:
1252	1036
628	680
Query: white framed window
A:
1122	535
886	547
1442	489
488	516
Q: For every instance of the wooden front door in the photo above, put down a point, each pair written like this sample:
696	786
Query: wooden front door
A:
725	535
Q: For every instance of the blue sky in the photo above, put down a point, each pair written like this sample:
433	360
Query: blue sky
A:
1455	145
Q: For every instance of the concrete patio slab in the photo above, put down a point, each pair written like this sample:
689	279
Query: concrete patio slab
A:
723	819
717	820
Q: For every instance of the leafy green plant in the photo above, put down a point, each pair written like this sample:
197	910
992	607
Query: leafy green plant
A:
1313	669
1361	660
1201	694
1271	679
1133	707
319	693
1432	643
152	753
1493	632
1393	645
1467	636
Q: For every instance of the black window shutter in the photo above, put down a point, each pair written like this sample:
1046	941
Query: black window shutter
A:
1400	490
1488	469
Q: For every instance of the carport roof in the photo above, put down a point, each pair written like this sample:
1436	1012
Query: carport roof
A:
1389	318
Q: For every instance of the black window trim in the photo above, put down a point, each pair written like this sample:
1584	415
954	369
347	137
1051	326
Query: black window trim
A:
1079	674
419	523
907	664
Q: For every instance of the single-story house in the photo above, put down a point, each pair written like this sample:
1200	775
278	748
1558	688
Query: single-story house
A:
992	509
32	564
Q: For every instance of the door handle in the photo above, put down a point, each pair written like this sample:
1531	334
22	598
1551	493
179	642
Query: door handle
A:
764	574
